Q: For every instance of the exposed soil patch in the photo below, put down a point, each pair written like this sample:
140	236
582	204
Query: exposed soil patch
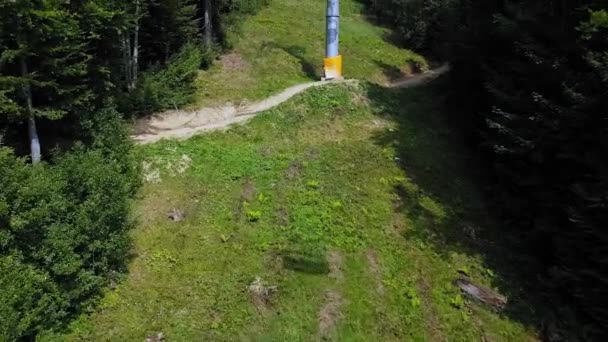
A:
248	192
247	195
294	170
335	260
312	153
374	267
234	62
282	216
330	315
433	326
262	294
176	215
160	337
266	152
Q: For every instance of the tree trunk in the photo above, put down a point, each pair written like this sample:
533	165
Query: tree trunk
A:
135	56
208	27
127	59
125	56
31	120
34	140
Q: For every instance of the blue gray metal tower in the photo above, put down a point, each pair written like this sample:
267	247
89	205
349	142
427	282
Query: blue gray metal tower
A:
333	59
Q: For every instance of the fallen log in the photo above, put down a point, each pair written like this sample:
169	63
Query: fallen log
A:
481	294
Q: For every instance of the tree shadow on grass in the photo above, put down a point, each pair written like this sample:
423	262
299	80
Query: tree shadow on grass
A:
444	195
391	72
304	262
305	265
308	68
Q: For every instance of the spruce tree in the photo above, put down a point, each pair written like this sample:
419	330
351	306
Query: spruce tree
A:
42	65
167	26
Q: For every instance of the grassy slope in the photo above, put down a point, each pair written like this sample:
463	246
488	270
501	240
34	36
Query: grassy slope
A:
352	169
373	175
284	44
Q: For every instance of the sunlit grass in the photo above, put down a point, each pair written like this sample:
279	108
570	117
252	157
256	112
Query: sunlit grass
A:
322	175
283	45
373	175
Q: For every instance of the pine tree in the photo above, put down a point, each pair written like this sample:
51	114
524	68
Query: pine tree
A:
167	27
101	23
41	66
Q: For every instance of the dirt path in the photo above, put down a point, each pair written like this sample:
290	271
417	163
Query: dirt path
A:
420	79
183	124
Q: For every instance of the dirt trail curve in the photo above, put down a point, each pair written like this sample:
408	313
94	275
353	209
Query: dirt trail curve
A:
183	124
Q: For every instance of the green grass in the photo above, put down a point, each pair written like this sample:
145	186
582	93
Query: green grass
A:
351	170
284	45
350	199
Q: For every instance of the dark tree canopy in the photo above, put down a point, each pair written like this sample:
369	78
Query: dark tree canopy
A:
530	83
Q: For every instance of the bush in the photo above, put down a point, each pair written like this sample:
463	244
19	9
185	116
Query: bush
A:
106	132
29	300
63	230
169	87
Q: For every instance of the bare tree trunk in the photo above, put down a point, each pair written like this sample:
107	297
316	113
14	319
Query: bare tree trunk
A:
135	57
208	26
31	120
34	140
126	59
129	61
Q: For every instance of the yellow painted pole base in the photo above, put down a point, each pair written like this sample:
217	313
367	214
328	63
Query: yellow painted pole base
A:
333	67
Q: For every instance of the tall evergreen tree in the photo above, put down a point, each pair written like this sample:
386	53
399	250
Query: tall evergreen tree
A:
167	26
42	65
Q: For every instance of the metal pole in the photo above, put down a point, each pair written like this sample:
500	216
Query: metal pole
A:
333	61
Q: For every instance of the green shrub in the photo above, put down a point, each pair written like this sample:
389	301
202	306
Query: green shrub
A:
254	215
28	299
169	87
106	132
63	229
